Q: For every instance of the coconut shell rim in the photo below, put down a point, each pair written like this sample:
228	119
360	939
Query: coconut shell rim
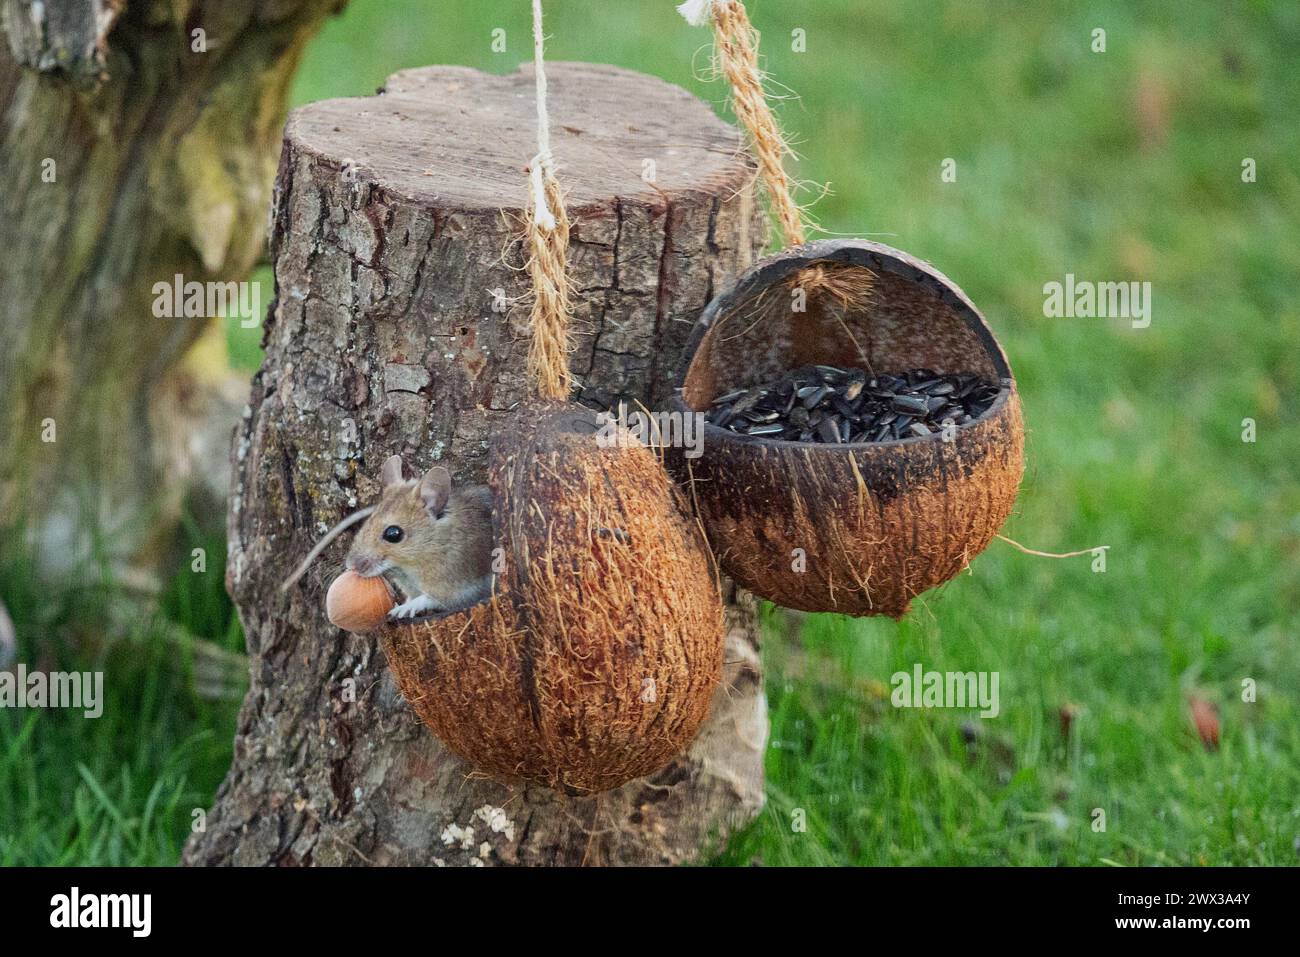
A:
857	252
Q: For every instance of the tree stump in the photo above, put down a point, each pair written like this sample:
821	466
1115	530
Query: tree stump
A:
139	143
400	325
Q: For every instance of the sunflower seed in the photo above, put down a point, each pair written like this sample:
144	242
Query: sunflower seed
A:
813	399
842	407
909	403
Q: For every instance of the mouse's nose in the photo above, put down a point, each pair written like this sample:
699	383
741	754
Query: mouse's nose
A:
363	565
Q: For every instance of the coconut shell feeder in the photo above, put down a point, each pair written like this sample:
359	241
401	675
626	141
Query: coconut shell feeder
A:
596	658
863	524
857	528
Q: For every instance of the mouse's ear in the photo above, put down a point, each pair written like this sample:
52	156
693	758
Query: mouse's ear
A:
435	489
392	472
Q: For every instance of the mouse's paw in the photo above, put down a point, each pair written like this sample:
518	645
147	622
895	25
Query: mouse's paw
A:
416	606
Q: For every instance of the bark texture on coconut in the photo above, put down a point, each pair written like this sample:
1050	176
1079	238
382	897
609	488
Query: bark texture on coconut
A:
860	528
596	659
391	250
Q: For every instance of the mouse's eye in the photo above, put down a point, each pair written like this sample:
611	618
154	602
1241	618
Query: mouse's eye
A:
394	534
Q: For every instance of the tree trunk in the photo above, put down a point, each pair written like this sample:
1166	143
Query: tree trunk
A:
401	326
133	149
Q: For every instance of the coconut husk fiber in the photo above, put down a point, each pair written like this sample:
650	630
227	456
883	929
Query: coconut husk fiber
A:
595	660
863	528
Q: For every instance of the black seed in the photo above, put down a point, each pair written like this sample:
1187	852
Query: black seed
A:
769	428
909	403
828	431
813	399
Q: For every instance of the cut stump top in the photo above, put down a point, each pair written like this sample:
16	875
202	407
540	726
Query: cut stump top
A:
451	136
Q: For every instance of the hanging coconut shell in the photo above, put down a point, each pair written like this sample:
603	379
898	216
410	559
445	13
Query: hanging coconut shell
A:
595	660
857	528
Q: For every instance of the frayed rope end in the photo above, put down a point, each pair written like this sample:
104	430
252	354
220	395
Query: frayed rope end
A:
698	13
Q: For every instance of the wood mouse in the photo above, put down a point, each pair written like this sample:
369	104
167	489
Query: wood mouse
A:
432	540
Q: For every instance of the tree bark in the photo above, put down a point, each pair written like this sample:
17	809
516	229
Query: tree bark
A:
396	233
128	156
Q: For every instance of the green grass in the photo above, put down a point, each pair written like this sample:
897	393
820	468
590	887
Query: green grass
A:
1134	442
122	788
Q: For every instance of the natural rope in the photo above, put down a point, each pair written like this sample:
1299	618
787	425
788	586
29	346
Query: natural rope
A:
736	48
548	244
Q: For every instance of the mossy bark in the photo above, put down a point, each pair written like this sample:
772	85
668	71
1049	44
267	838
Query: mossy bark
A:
134	149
